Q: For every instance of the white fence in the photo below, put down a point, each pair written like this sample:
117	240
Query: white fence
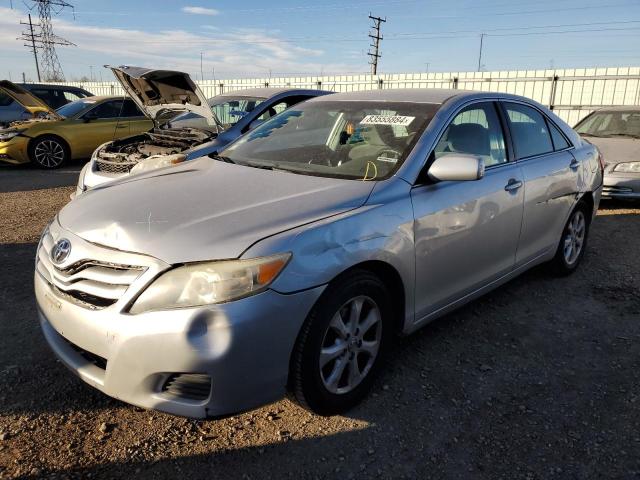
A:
571	93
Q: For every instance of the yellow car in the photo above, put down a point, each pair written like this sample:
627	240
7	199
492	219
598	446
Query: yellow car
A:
75	130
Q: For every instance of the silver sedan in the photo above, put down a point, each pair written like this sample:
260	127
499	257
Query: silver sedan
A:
290	260
616	133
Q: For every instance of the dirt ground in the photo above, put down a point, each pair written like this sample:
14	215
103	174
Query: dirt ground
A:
537	380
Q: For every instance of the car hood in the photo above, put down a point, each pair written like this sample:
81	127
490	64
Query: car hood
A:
28	100
617	149
163	94
205	209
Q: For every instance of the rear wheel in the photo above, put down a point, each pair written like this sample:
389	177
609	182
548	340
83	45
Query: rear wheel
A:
338	351
48	152
573	242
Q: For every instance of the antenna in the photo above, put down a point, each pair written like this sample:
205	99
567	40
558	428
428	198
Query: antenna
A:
375	55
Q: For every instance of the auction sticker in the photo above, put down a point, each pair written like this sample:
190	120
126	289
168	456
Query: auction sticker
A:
387	120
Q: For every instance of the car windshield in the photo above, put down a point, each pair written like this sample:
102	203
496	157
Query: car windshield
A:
351	140
231	109
73	108
611	124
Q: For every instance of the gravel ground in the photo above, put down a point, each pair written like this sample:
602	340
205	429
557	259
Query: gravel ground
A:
24	214
537	380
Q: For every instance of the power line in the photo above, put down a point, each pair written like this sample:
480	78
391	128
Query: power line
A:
375	55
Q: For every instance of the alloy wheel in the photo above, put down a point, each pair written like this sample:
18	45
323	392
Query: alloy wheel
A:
350	345
49	153
574	237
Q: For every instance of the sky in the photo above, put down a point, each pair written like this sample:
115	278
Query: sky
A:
255	38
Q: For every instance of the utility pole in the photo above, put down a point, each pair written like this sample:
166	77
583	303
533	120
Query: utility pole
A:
30	36
482	35
201	74
375	55
91	72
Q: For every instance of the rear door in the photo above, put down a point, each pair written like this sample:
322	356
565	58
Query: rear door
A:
137	121
466	232
551	175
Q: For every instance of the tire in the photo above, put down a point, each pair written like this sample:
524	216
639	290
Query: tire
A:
573	242
48	152
332	389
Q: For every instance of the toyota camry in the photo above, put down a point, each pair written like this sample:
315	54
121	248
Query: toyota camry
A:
290	260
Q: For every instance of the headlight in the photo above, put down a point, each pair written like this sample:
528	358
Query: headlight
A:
157	161
5	136
207	283
628	167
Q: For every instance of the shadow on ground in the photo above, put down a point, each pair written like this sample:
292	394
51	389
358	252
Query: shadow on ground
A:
539	379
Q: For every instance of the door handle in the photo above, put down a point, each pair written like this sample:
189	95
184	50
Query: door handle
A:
121	126
513	185
574	164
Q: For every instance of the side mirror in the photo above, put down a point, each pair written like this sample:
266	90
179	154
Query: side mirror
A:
456	167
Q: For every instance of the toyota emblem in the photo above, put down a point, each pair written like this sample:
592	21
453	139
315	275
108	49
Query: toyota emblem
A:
61	250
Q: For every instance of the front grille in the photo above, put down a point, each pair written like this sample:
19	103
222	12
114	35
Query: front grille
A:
89	283
190	386
96	360
114	166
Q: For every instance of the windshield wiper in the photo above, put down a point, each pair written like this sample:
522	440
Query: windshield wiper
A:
215	156
624	135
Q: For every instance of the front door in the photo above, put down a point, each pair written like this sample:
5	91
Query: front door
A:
466	232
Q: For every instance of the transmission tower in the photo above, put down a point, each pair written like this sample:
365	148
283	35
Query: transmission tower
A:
45	40
375	55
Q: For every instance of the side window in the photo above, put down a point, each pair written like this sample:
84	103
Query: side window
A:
110	109
529	130
475	130
46	96
71	96
130	109
5	100
273	110
559	142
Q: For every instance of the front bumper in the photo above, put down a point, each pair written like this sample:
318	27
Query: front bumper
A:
621	186
15	150
243	347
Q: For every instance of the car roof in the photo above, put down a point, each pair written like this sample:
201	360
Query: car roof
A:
624	108
268	92
415	95
50	86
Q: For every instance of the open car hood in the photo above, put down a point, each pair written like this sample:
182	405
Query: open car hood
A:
27	99
162	94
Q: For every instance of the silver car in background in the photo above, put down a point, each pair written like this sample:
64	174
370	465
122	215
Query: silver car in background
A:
616	133
290	260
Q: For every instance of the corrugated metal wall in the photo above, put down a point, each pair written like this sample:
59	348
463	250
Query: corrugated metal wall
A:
572	93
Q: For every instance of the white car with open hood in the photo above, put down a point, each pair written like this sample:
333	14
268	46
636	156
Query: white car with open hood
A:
161	95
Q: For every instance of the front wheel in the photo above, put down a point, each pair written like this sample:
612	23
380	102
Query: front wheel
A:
338	350
48	152
573	242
